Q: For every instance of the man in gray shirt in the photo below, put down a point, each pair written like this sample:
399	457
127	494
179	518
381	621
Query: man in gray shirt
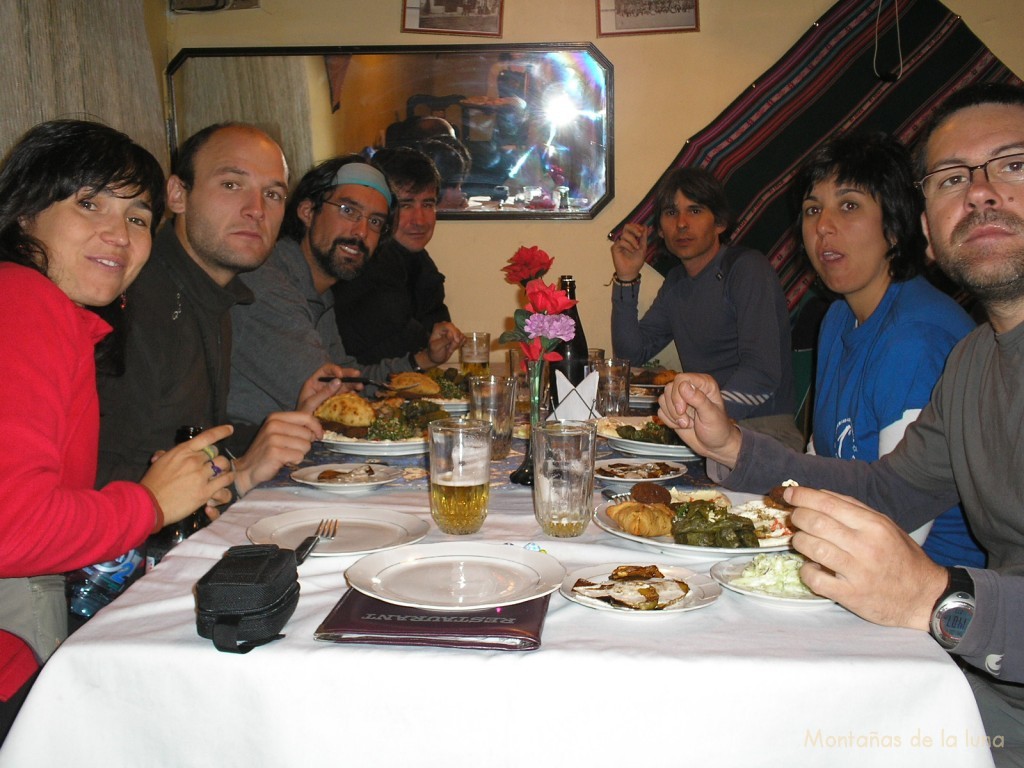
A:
965	446
331	228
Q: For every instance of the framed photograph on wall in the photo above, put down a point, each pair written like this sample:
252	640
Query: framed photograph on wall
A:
645	17
453	17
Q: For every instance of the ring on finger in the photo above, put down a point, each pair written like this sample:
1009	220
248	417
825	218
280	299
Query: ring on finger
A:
210	451
216	470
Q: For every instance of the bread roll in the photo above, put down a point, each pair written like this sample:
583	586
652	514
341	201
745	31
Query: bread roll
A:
347	409
412	383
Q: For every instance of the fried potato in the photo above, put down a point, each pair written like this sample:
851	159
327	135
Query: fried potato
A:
663	377
347	409
643	519
412	383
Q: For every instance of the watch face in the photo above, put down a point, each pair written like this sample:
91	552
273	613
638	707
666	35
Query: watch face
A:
955	621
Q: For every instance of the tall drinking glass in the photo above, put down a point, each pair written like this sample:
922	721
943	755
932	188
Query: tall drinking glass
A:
493	399
563	468
460	457
475	354
612	386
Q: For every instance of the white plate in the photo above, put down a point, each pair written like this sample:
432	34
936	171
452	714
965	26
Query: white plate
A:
703	590
452	406
668	546
606	428
457	577
727	570
359	531
635	400
354	483
679	471
410	447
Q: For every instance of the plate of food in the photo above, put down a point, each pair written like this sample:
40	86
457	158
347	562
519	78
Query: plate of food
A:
360	531
696	524
346	479
643	436
640	590
628	472
772	578
644	395
388	426
454	406
464	576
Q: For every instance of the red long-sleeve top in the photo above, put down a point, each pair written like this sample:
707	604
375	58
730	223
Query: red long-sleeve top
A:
51	518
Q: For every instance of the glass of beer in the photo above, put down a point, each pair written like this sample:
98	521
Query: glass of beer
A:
460	458
475	355
493	399
563	470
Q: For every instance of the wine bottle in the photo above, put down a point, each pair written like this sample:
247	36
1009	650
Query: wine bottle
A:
574	353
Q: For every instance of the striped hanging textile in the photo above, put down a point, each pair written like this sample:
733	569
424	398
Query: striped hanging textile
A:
824	85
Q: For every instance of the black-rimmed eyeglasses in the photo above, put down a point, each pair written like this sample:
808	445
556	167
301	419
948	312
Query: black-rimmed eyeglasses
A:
374	221
954	180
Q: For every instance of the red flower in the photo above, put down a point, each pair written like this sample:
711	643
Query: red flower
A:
547	298
528	263
533	349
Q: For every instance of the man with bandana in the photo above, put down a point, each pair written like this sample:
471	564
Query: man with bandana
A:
331	228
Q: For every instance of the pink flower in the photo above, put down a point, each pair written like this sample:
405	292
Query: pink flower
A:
561	327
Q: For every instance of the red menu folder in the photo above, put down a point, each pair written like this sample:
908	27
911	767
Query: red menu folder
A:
358	618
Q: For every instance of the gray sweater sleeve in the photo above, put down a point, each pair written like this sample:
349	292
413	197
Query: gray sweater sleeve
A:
632	338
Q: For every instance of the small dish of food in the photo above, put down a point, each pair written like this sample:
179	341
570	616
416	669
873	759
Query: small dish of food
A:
640	590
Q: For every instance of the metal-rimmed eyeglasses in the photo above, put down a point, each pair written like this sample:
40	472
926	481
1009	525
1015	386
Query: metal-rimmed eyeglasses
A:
374	221
956	179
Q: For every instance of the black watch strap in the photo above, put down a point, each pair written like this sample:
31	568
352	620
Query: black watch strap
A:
412	361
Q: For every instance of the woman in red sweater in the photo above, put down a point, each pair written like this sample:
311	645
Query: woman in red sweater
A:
79	203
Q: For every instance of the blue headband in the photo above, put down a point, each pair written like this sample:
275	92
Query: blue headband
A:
365	175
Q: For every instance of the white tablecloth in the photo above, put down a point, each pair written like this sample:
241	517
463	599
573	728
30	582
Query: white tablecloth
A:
737	683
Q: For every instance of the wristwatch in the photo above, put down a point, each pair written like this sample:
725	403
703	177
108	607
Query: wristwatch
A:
954	609
415	366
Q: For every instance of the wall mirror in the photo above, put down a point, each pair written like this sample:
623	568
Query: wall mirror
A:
535	120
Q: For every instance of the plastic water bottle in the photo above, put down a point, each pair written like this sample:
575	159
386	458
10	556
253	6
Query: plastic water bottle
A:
95	586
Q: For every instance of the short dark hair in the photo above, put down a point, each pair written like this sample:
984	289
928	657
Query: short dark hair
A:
451	157
407	169
316	186
971	96
700	186
52	162
879	165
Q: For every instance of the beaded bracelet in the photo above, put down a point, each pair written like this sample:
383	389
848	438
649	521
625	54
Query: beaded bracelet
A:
625	283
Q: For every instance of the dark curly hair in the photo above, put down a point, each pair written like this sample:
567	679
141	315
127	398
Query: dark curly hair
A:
316	186
53	161
879	165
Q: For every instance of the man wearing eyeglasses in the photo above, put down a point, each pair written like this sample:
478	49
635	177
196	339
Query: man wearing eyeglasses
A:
966	446
332	226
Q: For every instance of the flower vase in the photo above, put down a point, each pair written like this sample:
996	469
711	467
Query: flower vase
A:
535	378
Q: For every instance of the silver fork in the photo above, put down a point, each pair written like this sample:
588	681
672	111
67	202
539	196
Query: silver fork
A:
325	531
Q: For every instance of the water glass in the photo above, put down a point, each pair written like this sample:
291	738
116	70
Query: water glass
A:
475	355
563	468
460	457
612	386
493	399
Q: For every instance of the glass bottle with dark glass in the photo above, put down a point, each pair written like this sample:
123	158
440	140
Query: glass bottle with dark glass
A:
573	364
163	540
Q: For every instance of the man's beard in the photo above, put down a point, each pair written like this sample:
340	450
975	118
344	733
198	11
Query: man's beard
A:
335	263
991	282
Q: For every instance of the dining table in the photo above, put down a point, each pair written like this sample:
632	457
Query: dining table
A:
739	681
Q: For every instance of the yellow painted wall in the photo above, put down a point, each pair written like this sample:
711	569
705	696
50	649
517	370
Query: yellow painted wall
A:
667	87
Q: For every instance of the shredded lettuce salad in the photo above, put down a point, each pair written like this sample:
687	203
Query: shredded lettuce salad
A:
777	575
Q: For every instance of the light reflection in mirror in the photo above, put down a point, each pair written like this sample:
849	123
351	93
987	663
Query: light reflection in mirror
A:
535	119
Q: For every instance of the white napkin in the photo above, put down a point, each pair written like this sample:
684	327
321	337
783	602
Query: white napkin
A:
575	403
